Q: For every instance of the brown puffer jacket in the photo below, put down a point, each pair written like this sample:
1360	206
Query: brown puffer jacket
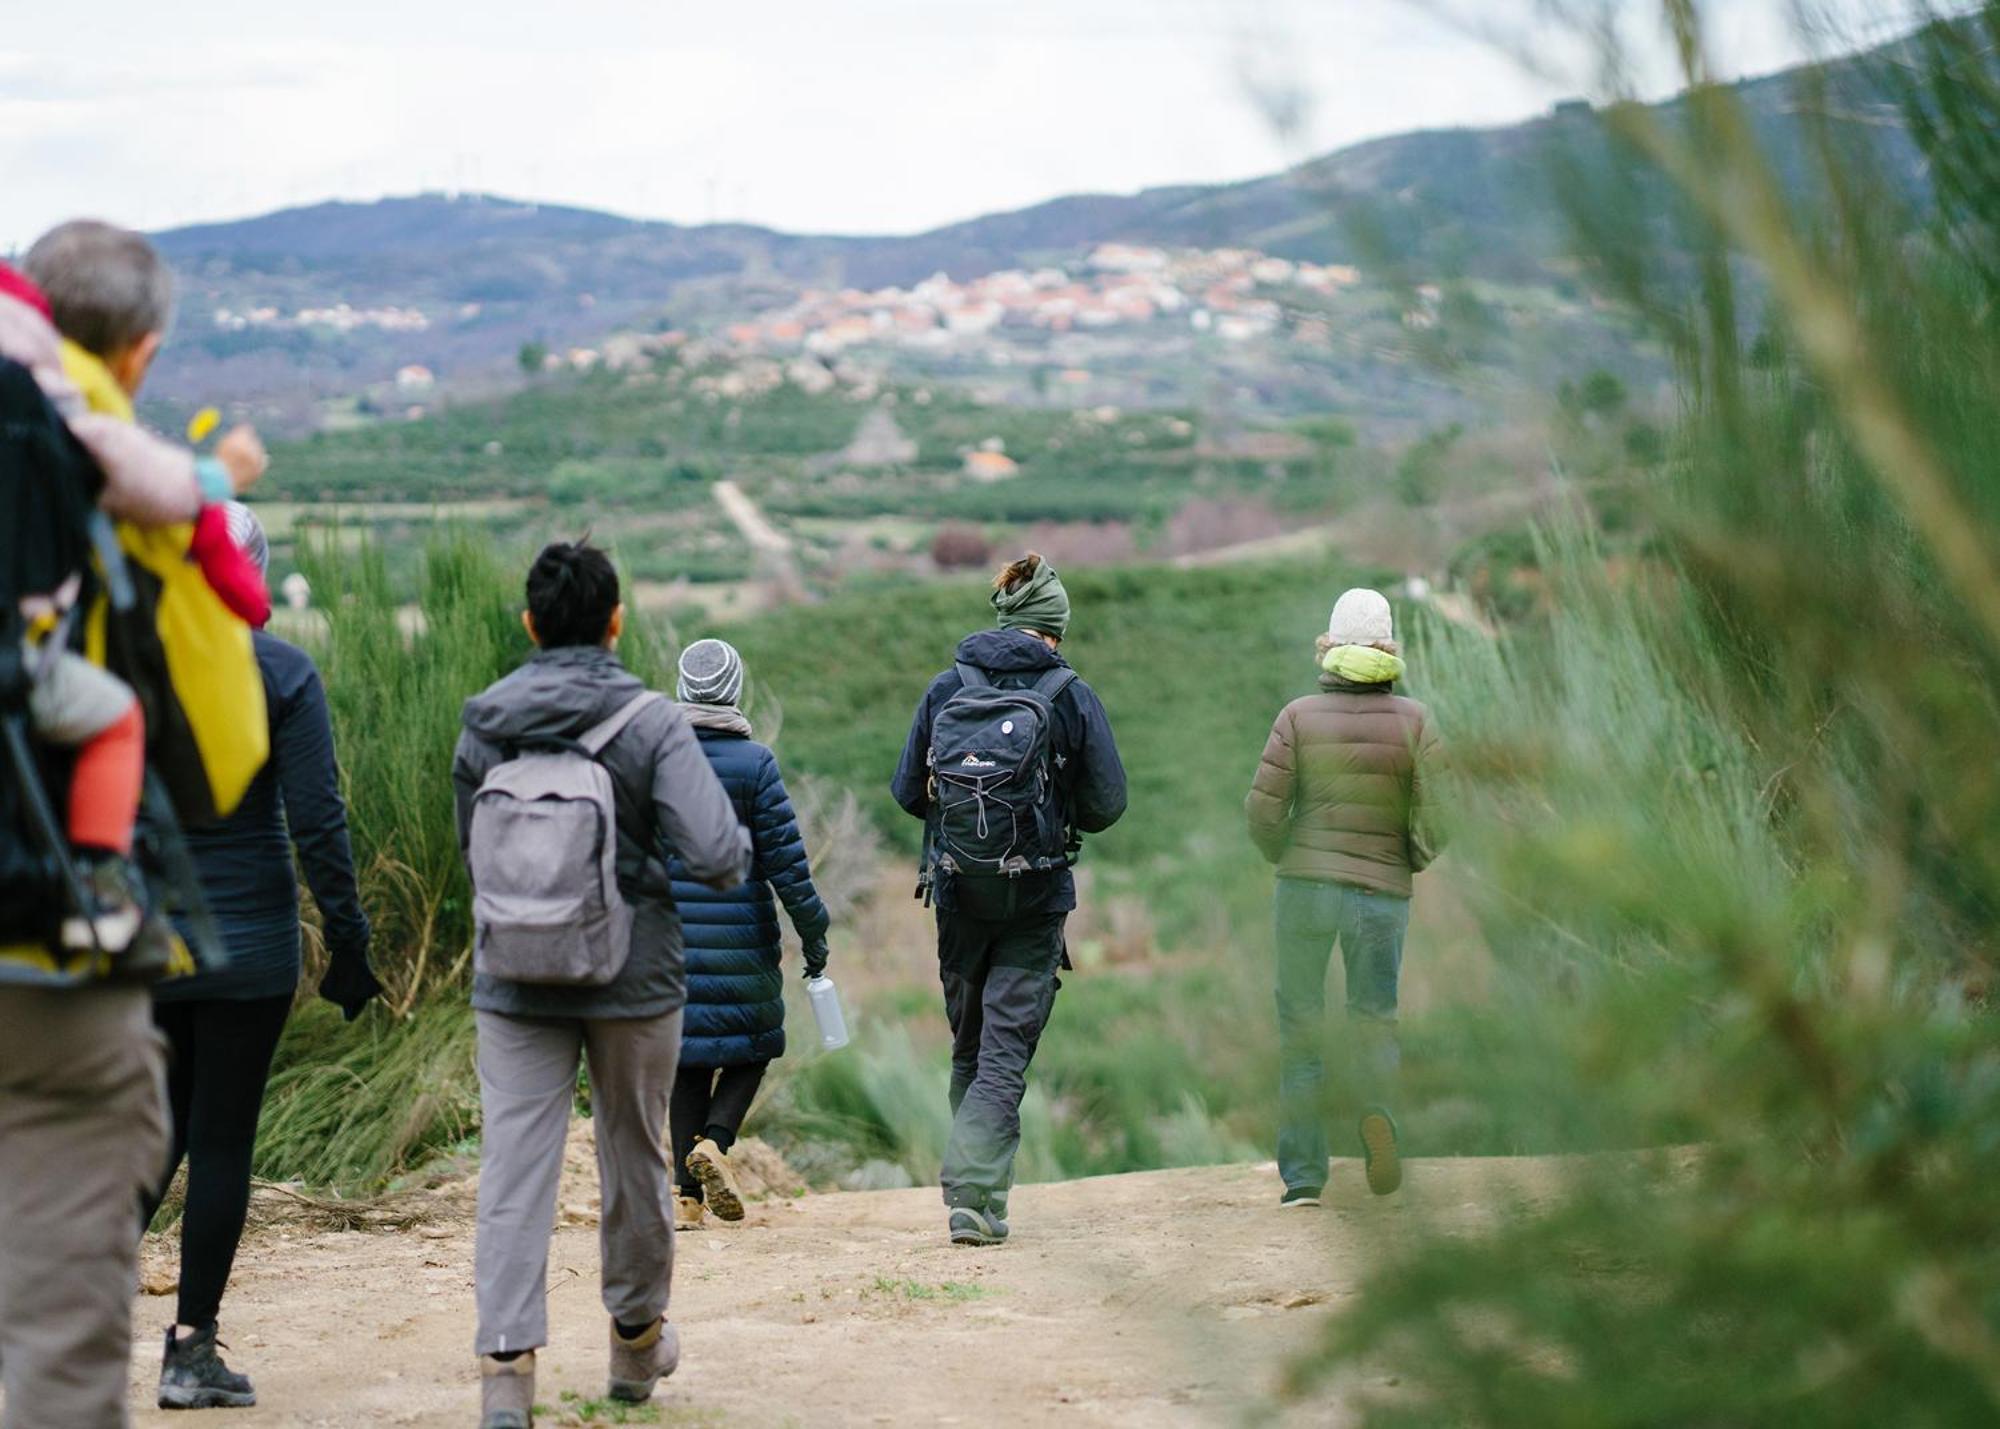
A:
1337	795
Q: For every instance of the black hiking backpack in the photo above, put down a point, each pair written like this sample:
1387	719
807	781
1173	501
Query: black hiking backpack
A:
50	527
995	812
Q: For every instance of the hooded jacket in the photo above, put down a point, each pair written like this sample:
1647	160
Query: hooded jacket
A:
668	803
1338	791
1090	780
735	990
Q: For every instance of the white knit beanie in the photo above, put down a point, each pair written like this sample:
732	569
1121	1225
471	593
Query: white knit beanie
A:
1360	617
711	673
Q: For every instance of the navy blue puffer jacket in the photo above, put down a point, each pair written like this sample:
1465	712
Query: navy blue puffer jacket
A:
735	990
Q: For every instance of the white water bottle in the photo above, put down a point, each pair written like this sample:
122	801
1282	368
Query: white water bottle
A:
826	1012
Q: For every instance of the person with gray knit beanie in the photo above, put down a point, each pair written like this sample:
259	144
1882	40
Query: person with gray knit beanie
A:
711	673
735	1020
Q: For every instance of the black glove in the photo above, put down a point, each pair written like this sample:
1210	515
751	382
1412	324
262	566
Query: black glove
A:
815	951
350	984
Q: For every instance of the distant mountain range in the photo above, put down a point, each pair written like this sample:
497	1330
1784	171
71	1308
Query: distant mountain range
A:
488	273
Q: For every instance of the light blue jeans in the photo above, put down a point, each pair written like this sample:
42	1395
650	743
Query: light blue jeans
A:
1368	927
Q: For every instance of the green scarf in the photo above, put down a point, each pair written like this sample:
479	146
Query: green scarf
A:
1040	603
1362	665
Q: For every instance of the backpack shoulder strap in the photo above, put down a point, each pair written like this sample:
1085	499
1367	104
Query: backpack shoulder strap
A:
971	676
1054	682
598	736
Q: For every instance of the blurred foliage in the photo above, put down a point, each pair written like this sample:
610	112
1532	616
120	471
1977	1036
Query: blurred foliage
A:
1737	817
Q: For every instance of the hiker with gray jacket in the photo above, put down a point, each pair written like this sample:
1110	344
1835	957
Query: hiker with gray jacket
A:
1337	805
605	982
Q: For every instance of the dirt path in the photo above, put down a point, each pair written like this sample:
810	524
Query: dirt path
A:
1167	1298
750	520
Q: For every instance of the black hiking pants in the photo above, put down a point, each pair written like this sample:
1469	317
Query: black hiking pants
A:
710	1102
218	1058
999	988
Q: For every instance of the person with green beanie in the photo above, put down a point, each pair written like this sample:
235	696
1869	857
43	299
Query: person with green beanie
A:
1010	761
1038	604
1338	806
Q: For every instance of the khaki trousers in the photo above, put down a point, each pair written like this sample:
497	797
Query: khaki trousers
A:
83	1134
527	1085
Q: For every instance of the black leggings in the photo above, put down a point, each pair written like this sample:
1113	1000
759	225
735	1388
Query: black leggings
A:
219	1055
709	1102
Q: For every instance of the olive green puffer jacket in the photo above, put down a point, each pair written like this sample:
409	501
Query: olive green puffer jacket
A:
1338	792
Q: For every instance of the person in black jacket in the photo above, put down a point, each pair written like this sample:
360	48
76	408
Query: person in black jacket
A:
735	1023
222	1028
1000	936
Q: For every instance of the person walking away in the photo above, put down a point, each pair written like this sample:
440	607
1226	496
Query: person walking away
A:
572	709
112	287
735	1020
222	1028
82	1109
1009	762
1338	806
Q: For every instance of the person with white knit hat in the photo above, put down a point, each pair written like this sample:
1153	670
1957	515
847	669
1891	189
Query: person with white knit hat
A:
735	1020
1338	806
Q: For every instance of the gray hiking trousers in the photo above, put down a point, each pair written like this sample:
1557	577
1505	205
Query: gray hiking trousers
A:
999	989
83	1134
527	1085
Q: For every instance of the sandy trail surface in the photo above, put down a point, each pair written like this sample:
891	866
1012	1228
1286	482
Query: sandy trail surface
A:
1162	1298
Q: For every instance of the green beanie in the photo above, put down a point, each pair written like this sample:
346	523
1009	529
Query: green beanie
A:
1038	603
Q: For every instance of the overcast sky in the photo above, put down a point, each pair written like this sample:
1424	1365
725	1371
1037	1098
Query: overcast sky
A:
825	115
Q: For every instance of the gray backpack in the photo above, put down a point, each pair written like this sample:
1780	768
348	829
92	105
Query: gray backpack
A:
543	855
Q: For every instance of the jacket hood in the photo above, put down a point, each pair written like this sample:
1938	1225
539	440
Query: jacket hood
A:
100	389
717	719
554	694
1007	652
1362	665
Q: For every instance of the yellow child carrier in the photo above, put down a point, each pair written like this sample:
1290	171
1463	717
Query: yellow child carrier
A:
195	670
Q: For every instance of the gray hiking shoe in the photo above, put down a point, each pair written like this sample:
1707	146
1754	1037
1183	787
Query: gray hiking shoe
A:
638	1366
193	1376
507	1392
710	1165
972	1226
1379	1152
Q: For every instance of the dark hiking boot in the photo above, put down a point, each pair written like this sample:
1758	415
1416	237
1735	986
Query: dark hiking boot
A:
718	1183
507	1392
1378	1151
193	1376
638	1365
972	1226
1299	1197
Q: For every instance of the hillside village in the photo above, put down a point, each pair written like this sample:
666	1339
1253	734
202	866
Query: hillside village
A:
1222	290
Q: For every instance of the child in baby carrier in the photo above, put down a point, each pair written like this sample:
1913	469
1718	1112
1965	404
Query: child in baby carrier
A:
111	302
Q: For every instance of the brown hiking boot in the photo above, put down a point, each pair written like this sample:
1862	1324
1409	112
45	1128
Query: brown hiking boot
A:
690	1214
637	1366
711	1166
1379	1153
507	1392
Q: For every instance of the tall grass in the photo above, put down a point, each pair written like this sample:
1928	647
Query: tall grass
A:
1738	824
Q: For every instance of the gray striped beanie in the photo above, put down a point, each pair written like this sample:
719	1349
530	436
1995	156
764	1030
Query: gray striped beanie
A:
711	673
